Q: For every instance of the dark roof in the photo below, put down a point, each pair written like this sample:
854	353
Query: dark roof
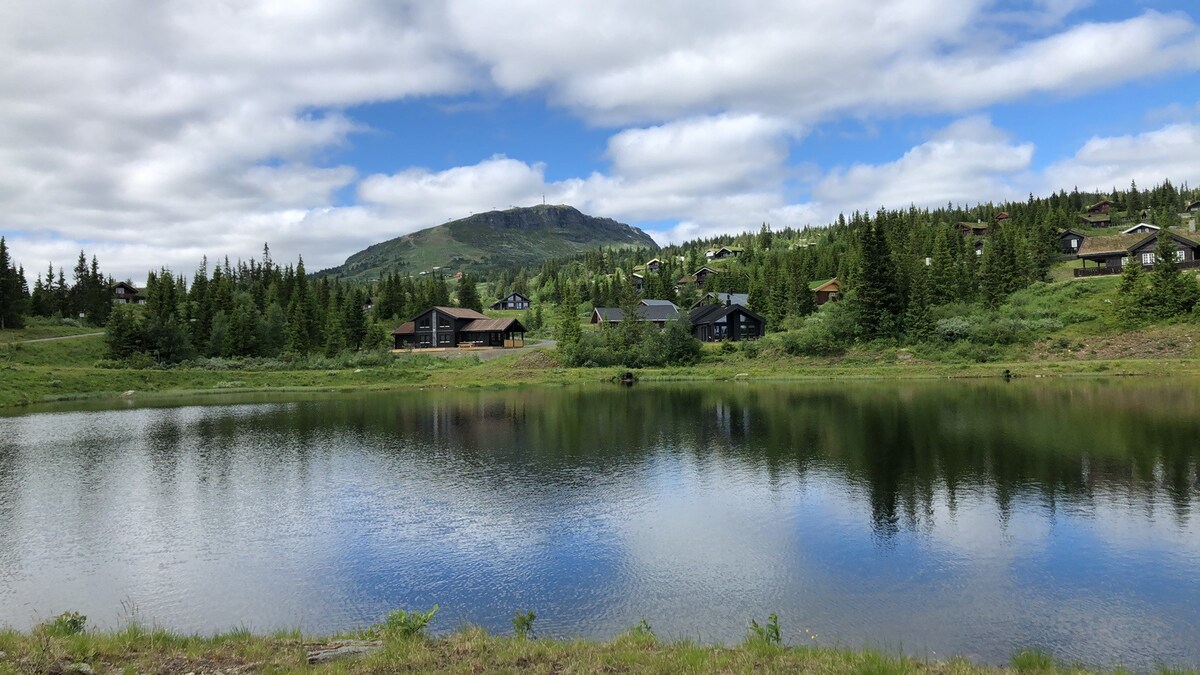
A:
650	302
458	312
406	328
515	294
1077	233
128	285
724	299
710	313
493	325
668	312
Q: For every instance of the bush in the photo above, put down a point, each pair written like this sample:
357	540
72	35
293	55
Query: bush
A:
815	338
66	624
403	625
523	624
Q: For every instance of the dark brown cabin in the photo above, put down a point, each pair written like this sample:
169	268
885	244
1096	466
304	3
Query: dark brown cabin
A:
1111	254
1102	206
713	323
1070	241
513	301
450	327
829	290
125	293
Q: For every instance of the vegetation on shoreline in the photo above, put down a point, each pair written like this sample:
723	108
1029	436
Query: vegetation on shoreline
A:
399	644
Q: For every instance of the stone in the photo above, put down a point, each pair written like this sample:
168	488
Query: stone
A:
345	650
81	668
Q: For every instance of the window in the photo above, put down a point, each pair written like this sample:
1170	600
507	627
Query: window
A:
443	321
423	323
120	290
1180	255
1148	258
978	252
1074	244
443	339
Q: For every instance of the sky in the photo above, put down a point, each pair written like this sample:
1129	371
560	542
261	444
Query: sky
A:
152	134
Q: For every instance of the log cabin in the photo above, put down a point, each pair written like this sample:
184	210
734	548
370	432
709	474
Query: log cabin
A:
450	327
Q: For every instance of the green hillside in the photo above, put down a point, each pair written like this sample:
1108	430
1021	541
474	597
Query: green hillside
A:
520	236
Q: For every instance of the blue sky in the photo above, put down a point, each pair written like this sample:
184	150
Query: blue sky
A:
154	134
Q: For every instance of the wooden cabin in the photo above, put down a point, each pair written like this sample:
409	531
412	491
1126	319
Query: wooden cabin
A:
1194	207
657	312
451	327
1070	241
713	323
727	252
1102	206
1111	254
829	290
654	265
710	298
125	293
976	229
1141	228
698	277
513	301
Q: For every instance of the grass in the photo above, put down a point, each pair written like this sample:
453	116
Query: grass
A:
137	648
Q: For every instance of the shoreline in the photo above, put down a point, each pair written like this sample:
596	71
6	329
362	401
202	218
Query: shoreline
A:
402	646
32	385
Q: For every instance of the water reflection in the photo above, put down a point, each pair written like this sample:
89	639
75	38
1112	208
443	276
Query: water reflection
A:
968	518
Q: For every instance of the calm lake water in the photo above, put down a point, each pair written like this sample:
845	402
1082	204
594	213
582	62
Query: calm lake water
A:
933	518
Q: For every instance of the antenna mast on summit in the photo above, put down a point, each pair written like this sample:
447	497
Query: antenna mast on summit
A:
543	199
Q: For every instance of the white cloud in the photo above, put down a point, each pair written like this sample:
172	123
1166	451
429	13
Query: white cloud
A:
149	133
969	160
1106	162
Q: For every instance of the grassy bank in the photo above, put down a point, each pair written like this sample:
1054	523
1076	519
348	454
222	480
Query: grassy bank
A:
470	650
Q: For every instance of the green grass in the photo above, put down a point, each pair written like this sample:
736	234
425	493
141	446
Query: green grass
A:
37	328
138	648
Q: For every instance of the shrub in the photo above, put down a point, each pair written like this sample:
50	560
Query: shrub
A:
523	624
403	625
816	338
66	624
768	634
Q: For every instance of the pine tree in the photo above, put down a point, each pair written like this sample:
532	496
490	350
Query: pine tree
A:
468	295
354	318
876	286
13	301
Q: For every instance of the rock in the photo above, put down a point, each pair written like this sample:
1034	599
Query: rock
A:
81	668
345	650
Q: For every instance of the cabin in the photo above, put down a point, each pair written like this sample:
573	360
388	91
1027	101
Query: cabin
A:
713	323
1070	241
727	252
1097	220
1102	206
1111	254
513	301
125	293
657	312
742	299
1002	216
829	290
976	229
455	327
1141	228
1194	207
698	277
639	282
654	265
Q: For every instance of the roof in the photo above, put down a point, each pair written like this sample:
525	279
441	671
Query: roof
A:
724	299
732	249
126	284
1195	204
406	328
973	226
1077	233
1131	229
487	325
821	285
1096	218
649	302
710	313
1123	243
458	312
668	312
1100	203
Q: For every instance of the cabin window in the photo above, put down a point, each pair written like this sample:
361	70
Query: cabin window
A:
978	251
1124	261
1147	258
443	322
423	323
1180	255
1074	244
424	341
443	339
120	290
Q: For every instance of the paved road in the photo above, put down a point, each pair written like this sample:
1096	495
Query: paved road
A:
61	337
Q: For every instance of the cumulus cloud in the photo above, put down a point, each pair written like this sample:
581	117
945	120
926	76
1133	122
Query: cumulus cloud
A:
962	163
1106	162
152	133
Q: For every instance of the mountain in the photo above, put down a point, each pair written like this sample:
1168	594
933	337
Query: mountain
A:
518	236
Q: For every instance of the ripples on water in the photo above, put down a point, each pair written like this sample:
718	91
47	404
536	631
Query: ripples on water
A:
938	519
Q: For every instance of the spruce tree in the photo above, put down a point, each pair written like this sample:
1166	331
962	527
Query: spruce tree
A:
468	295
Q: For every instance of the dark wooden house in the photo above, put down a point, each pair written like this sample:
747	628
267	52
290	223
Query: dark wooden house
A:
828	290
1194	207
698	277
513	301
1070	241
1111	254
449	327
977	229
654	265
727	252
1096	219
1141	228
657	312
713	323
1102	206
125	293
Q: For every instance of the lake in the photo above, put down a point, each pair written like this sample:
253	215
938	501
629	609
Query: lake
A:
936	518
